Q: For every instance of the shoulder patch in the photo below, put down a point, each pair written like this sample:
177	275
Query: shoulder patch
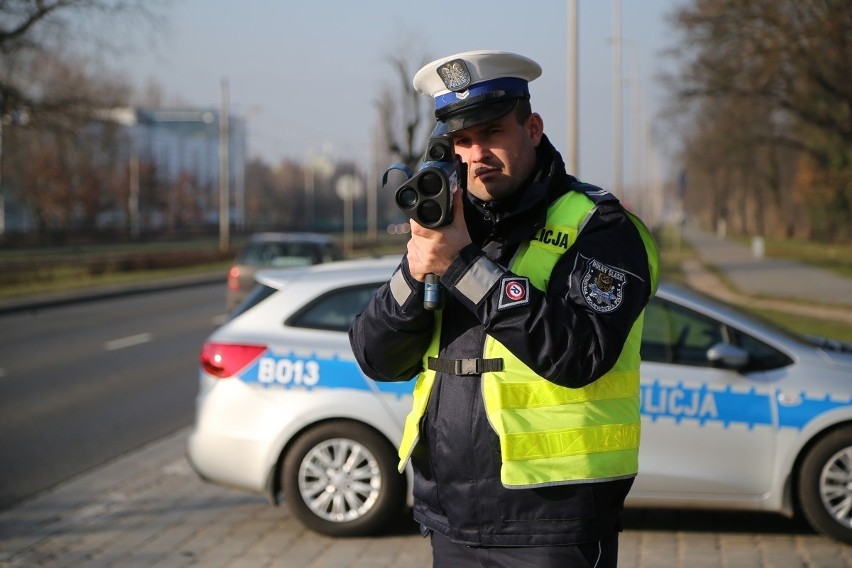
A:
603	286
514	291
596	194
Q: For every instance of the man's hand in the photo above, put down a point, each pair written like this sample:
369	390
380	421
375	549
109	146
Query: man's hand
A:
433	250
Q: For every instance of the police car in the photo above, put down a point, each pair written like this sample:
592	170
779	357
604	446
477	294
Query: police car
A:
736	414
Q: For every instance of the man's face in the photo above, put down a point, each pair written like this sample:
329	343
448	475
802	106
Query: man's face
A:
500	155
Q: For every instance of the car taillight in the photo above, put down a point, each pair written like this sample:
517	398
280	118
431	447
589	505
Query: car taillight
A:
225	360
234	279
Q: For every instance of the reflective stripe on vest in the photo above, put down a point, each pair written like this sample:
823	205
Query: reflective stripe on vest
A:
422	389
551	434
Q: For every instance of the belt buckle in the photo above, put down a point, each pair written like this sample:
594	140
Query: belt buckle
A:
467	367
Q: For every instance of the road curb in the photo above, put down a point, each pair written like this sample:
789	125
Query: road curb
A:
51	300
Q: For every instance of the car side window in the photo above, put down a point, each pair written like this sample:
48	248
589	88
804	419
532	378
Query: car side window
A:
677	335
334	311
331	253
674	334
761	357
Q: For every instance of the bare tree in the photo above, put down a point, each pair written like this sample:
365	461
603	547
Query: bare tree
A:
403	113
66	167
63	164
786	63
33	32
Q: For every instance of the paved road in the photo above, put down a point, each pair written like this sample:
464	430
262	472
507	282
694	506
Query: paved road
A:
82	383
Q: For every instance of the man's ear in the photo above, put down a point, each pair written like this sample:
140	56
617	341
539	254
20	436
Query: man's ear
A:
535	127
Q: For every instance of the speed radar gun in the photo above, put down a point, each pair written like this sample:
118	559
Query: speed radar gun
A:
427	195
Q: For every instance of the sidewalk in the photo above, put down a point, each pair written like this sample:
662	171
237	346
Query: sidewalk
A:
148	509
776	284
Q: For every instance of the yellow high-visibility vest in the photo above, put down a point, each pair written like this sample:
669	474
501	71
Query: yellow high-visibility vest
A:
550	434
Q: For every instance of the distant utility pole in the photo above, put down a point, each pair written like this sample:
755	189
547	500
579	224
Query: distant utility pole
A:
616	97
372	188
2	195
572	153
224	172
133	194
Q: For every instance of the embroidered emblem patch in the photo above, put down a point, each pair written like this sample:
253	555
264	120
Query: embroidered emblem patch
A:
603	286
514	291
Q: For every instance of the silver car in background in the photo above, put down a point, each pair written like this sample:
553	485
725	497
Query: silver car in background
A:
276	250
736	413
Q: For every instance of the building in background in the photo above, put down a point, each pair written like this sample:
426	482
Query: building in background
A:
183	146
168	171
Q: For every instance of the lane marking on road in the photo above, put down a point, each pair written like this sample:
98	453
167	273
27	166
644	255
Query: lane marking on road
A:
2	373
137	339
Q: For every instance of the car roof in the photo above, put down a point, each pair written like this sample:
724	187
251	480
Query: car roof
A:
352	271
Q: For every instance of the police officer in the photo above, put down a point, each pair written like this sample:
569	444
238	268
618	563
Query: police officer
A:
524	429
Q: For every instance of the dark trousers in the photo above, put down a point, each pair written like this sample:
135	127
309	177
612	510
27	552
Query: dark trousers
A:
447	554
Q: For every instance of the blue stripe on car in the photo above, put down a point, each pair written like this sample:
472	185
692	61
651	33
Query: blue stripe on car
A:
293	370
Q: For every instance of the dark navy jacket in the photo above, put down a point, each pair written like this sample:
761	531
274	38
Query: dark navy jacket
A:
457	462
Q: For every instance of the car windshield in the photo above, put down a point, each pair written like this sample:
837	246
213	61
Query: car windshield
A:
279	255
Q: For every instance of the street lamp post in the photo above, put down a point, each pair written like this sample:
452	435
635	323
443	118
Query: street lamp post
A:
616	98
572	154
319	168
224	171
17	118
133	194
2	195
349	188
309	191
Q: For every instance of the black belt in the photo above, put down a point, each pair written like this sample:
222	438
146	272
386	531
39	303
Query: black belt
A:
465	366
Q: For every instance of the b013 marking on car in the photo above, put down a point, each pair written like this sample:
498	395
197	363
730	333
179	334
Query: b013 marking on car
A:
287	371
297	371
750	407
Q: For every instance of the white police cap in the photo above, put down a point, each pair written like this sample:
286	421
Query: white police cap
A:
474	87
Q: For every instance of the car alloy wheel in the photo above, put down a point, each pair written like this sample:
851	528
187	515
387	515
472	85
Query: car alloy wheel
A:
825	485
340	479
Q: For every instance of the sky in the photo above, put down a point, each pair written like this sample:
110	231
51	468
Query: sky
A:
306	75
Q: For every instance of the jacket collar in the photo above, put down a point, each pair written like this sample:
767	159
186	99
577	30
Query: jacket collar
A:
518	217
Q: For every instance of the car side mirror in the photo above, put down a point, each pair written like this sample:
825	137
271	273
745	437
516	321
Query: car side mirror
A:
727	356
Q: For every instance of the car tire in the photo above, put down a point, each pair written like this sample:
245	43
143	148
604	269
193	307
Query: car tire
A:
825	485
340	479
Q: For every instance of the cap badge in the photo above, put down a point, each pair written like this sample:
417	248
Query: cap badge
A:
455	75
